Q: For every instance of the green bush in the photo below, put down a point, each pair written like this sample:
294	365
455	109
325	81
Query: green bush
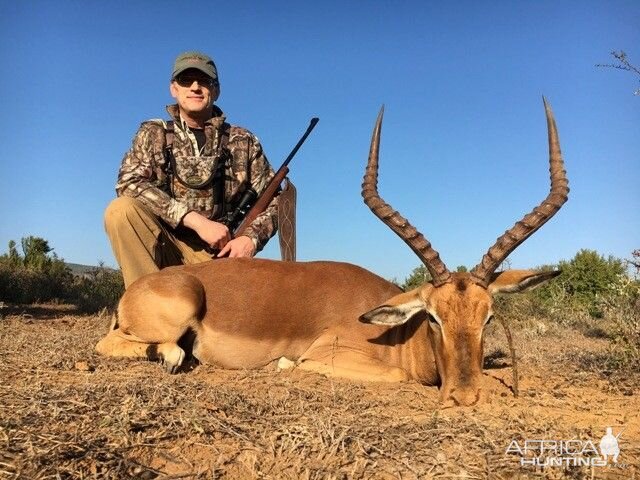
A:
38	275
588	282
625	335
102	288
417	277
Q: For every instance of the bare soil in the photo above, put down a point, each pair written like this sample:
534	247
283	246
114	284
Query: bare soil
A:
65	412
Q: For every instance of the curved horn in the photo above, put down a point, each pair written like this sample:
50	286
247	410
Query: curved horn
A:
531	222
393	219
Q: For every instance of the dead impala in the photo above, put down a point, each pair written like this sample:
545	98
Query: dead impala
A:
246	313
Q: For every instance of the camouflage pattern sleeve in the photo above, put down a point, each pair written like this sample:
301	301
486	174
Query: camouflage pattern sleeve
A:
141	175
266	224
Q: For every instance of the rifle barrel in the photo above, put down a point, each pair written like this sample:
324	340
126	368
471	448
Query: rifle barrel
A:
311	126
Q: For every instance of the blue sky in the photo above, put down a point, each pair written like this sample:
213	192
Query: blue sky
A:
464	149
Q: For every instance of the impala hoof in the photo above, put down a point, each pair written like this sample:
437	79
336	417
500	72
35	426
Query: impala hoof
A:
172	359
285	364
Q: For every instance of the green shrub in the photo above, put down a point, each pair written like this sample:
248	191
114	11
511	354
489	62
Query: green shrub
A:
38	275
102	288
417	277
625	335
588	282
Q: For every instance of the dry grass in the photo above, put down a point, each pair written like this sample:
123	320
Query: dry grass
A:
67	413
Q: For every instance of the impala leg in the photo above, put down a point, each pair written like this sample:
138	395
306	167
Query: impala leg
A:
332	356
119	344
352	365
153	315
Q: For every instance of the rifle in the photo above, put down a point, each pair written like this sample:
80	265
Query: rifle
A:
247	211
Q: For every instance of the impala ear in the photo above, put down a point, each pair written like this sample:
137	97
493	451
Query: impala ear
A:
396	311
516	281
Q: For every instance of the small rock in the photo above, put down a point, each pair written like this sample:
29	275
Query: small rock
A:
541	328
84	367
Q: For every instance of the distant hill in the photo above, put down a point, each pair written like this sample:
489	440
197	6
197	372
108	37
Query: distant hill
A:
84	270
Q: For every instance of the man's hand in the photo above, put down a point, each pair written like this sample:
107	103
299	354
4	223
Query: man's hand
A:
215	234
241	246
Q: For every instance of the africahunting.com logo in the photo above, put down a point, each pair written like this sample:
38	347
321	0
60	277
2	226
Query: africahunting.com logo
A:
568	453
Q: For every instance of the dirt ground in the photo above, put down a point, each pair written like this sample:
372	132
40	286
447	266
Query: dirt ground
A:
67	413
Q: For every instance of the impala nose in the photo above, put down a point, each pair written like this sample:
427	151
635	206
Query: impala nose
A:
462	397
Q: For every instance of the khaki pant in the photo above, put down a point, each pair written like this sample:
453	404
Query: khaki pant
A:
142	243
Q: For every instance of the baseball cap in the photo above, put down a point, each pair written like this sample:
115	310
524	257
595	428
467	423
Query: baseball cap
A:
196	60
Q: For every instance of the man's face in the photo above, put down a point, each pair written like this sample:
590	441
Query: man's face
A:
194	91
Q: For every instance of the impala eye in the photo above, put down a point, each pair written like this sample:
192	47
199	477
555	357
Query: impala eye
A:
489	320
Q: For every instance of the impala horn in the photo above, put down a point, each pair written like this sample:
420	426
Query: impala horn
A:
531	222
416	241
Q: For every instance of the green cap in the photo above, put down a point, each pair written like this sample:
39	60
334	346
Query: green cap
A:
196	60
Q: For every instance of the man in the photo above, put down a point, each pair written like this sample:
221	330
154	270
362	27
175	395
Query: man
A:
172	202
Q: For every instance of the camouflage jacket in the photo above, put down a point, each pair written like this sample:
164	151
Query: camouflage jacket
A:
146	175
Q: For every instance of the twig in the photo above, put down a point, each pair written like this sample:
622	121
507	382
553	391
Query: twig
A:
180	475
621	56
624	64
514	359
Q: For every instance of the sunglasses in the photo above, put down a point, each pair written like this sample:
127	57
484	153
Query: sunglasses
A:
187	80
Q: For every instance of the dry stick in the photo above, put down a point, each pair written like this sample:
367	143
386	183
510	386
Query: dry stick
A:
514	360
180	475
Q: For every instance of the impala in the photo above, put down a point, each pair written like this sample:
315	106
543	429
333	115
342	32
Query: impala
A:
247	313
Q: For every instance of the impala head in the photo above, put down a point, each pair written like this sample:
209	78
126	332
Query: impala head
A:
458	306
